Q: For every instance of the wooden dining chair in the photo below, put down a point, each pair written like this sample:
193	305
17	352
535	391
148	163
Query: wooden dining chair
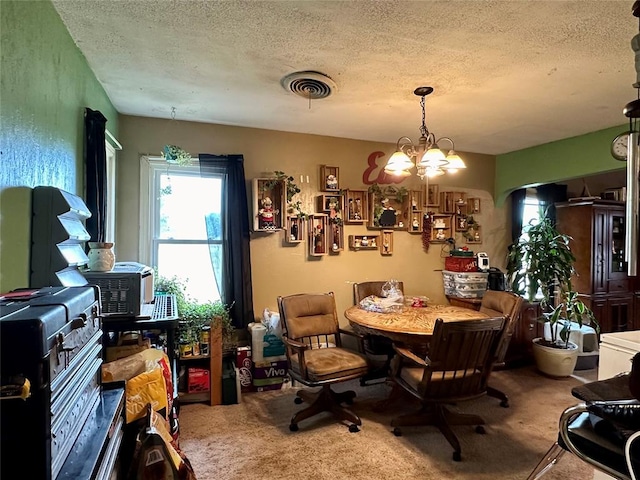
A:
461	357
312	339
497	303
375	345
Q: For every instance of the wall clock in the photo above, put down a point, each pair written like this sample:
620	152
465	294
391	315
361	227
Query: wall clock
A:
619	146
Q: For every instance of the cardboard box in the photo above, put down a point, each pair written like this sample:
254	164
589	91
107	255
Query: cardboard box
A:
198	380
245	366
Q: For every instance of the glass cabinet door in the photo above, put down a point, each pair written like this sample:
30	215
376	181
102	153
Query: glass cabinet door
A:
617	262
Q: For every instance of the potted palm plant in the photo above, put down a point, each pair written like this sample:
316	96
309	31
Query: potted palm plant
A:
539	267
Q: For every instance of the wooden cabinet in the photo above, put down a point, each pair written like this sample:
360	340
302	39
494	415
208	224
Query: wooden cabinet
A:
209	361
615	313
526	328
597	229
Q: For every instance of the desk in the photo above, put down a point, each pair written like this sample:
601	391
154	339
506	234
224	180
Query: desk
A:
412	325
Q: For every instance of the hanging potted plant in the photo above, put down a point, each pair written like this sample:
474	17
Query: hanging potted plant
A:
539	267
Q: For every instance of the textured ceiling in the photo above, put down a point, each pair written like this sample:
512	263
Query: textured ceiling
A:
507	74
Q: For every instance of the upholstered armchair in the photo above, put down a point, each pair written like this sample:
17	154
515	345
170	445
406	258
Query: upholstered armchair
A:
498	303
461	357
312	338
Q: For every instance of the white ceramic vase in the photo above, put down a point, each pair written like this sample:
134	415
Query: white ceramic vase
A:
555	362
101	257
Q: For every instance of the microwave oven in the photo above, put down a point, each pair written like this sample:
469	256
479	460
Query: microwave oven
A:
125	289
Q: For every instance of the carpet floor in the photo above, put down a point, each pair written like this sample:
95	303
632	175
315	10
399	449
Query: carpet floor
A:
251	440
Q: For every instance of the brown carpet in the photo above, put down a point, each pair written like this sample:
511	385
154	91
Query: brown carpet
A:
252	440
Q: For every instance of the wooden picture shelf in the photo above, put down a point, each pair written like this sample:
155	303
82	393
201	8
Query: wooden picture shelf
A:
329	179
318	235
386	242
294	229
430	195
387	215
473	206
364	242
356	208
453	202
268	217
336	235
441	228
330	204
474	235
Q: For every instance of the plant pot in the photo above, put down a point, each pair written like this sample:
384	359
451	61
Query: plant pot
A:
555	362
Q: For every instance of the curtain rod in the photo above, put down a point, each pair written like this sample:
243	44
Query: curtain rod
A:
113	139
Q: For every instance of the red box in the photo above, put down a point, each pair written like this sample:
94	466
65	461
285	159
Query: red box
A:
198	380
244	364
461	264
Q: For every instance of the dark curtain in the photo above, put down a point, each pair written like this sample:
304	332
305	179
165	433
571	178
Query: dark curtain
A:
95	161
235	287
548	195
517	210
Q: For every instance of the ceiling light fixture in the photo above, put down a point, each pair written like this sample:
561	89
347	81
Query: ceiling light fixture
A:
429	158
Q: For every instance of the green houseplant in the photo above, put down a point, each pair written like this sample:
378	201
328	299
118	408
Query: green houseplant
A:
539	267
195	315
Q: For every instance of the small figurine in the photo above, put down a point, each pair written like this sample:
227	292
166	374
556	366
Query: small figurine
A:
332	182
414	204
415	225
318	246
365	241
476	236
266	219
333	208
294	231
357	209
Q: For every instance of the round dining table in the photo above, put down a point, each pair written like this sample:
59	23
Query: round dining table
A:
410	325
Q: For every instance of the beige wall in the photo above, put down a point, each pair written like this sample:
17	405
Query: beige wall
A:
282	270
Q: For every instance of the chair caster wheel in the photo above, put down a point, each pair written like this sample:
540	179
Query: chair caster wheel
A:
480	429
504	404
397	432
353	428
297	400
293	427
457	457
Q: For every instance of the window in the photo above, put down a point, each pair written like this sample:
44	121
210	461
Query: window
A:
183	208
110	224
531	210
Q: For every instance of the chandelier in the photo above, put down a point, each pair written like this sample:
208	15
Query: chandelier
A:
429	159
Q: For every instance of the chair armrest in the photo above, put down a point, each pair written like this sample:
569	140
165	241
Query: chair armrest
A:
409	355
295	347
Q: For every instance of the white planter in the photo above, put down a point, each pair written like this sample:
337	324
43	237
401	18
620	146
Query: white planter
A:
555	362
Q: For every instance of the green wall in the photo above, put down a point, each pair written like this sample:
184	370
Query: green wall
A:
45	85
561	160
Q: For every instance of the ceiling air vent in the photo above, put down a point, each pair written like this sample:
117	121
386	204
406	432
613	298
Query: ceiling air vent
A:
310	85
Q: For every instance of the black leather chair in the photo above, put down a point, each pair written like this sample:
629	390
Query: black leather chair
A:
601	430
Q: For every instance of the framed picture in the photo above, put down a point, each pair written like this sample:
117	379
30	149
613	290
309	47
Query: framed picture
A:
432	197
